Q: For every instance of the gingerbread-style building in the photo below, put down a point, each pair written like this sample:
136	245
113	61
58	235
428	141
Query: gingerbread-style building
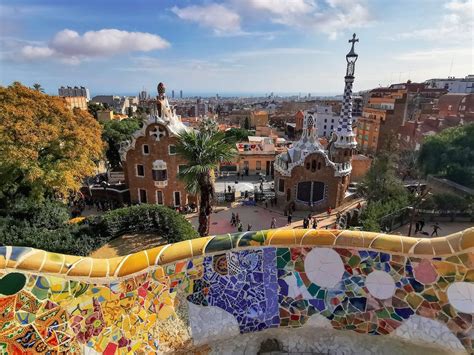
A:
149	159
310	176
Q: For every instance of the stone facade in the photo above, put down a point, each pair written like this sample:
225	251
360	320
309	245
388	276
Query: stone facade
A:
314	169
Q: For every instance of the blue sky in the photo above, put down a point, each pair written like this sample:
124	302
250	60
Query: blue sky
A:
231	45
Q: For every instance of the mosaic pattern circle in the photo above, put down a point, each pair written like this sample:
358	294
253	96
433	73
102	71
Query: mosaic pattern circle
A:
380	284
324	267
461	296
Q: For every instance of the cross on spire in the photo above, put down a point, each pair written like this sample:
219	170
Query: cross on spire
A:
353	41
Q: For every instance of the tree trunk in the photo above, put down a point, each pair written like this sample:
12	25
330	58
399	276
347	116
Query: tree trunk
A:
205	205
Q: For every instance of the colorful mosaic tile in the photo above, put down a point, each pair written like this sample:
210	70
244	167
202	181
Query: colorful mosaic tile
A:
156	300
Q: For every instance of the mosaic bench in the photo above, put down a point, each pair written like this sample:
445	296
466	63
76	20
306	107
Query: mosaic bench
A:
230	293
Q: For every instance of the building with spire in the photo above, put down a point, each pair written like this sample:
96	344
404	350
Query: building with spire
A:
310	175
149	159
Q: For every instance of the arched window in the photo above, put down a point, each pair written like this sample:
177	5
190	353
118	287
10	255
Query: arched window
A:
313	165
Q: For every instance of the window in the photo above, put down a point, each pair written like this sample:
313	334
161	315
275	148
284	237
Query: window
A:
181	167
177	198
324	133
159	175
145	149
319	166
171	149
332	127
258	165
281	185
313	165
332	121
141	196
159	198
325	120
140	170
324	126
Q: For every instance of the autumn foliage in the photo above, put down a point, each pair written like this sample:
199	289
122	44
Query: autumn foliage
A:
45	148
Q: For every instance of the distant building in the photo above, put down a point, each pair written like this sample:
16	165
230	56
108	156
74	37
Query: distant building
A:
150	162
105	115
387	110
453	85
172	94
258	118
119	104
257	155
180	94
74	91
457	105
201	108
73	102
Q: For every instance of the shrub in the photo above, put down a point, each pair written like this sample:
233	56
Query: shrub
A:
144	218
45	226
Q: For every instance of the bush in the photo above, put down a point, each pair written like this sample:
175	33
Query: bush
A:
45	226
144	218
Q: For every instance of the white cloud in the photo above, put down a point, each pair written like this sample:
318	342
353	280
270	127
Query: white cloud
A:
36	52
455	25
218	17
71	47
331	17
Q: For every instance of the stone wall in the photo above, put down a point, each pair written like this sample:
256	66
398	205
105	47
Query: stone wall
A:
286	291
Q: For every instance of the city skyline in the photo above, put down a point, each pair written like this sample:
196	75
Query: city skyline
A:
251	46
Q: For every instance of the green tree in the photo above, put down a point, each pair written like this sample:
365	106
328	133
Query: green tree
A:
383	190
234	135
38	87
247	123
114	132
450	154
94	107
204	151
45	148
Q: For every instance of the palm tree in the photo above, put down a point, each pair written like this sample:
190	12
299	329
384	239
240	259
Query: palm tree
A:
38	87
204	151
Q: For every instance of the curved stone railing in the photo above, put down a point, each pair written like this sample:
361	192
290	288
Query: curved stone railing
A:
199	295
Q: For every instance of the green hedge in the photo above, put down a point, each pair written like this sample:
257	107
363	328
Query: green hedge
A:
144	218
46	228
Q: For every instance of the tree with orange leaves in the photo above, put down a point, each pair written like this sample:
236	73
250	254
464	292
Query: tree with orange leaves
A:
46	149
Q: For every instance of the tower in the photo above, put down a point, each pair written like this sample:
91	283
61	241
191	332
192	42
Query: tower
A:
344	140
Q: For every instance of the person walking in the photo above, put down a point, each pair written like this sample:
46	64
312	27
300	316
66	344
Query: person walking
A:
436	227
232	219
315	223
305	223
237	218
422	224
417	227
329	210
240	227
273	224
249	227
290	217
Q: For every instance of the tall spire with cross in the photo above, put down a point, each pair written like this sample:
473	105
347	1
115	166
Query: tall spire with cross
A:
345	135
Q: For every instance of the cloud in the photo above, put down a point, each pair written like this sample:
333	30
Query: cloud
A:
331	17
71	47
435	54
219	18
455	25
